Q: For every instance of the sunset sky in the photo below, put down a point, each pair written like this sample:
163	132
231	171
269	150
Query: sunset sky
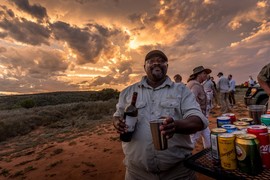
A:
72	45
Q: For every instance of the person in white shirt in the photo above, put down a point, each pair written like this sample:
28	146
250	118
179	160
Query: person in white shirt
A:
251	81
209	89
223	88
231	91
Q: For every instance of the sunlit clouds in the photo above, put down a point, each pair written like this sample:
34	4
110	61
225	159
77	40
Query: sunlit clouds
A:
80	45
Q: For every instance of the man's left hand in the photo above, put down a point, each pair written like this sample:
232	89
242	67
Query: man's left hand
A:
168	127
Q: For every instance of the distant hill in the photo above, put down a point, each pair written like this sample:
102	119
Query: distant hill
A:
55	98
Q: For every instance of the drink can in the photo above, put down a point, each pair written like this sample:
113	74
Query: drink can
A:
268	111
231	115
238	132
247	119
269	135
214	143
229	127
265	119
248	151
221	120
241	125
227	151
261	133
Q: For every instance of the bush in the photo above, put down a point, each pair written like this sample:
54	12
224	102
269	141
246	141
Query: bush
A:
27	103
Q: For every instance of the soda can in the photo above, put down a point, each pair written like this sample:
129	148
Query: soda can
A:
248	120
221	120
268	111
214	143
241	125
265	119
229	127
231	115
227	151
238	132
248	151
261	133
269	135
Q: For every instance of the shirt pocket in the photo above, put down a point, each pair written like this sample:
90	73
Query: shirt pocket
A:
141	106
169	107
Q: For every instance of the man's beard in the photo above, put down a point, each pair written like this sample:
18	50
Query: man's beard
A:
158	73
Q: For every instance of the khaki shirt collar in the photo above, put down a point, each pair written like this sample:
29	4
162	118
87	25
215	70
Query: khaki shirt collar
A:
143	83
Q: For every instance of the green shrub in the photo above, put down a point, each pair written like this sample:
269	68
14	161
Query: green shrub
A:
27	103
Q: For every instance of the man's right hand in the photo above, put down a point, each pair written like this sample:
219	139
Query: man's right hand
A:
120	125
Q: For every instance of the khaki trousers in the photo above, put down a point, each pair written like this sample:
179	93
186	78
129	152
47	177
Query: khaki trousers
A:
179	172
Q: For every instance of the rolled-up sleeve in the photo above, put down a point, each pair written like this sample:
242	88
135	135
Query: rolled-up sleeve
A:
264	74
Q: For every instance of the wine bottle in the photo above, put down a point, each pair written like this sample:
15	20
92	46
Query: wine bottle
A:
130	116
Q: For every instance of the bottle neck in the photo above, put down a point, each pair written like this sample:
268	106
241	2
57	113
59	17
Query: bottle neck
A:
134	98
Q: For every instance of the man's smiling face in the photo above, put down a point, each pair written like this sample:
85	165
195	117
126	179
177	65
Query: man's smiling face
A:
156	68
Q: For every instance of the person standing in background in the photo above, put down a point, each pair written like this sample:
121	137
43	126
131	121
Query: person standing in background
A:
208	87
215	94
251	82
194	84
231	91
264	80
223	88
177	78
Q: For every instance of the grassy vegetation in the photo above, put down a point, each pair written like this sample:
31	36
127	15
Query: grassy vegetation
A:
55	98
20	115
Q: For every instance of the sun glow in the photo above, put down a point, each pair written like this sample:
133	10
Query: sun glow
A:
133	44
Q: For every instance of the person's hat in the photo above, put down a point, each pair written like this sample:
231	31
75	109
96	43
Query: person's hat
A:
220	74
156	53
200	69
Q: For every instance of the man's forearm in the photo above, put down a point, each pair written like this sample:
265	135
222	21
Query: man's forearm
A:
189	125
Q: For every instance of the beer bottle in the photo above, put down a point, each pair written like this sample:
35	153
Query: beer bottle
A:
130	116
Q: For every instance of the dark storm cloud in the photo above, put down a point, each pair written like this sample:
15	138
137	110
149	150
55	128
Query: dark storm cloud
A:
7	11
87	43
33	70
47	64
119	75
135	17
3	34
34	63
25	31
197	14
35	10
109	79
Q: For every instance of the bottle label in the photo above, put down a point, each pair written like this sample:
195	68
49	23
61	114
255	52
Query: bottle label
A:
131	123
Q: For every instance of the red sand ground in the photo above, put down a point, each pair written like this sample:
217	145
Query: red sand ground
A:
92	155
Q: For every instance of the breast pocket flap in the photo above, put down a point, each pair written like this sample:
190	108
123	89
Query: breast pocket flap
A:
140	104
170	104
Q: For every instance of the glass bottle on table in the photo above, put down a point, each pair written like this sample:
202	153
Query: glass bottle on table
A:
130	117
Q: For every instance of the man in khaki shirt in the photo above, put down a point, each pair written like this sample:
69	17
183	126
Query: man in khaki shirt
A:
158	96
